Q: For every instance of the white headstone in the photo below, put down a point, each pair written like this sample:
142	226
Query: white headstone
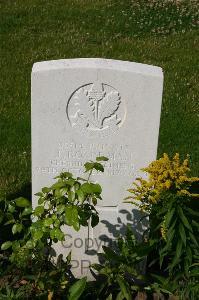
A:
83	108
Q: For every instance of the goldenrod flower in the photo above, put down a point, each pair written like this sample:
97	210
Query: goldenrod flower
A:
164	174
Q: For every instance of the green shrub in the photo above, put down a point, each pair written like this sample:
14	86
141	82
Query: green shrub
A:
169	248
168	199
69	201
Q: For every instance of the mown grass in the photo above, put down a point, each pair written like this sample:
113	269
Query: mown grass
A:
162	33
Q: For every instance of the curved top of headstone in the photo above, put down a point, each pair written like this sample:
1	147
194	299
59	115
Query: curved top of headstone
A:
97	63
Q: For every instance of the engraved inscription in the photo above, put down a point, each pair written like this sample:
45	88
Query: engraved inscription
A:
71	156
95	109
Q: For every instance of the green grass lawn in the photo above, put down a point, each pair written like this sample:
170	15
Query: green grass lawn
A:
161	33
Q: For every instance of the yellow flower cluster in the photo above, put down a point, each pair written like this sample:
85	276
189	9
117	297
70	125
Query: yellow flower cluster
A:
163	230
164	174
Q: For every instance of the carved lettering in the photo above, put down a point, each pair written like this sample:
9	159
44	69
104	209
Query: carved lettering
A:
72	156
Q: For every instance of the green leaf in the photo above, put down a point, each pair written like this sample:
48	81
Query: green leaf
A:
94	220
60	208
175	261
10	222
58	234
17	228
182	233
76	225
168	217
179	249
58	193
189	255
40	194
124	288
170	235
101	158
27	211
38	211
165	291
176	258
196	224
41	200
192	212
70	182
14	229
65	175
82	179
46	190
63	191
22	202
91	188
57	223
71	216
71	196
163	252
6	245
80	195
184	218
94	200
37	235
68	257
96	267
52	234
30	244
48	222
159	279
15	245
87	188
110	254
96	188
98	167
41	284
120	296
193	239
58	185
11	208
84	215
77	289
89	166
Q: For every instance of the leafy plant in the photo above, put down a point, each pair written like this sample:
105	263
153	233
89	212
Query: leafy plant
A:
190	290
69	201
8	293
77	289
167	198
121	270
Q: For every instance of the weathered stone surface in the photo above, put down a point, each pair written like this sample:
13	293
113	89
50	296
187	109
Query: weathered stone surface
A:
83	108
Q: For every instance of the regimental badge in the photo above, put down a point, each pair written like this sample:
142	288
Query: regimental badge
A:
95	109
